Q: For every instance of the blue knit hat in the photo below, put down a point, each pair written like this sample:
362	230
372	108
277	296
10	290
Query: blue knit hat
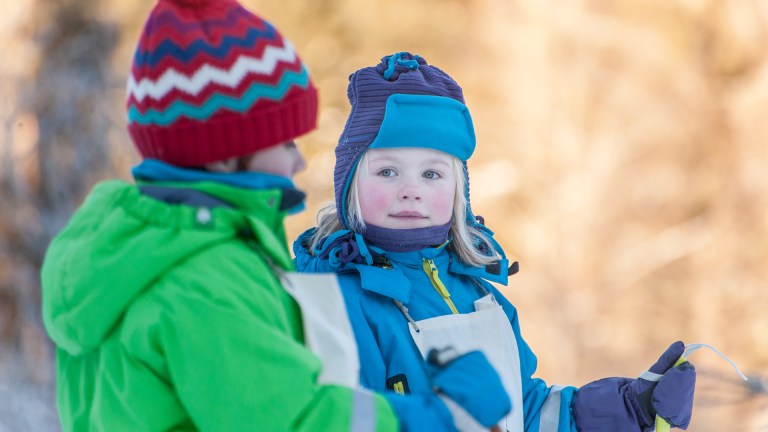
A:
401	102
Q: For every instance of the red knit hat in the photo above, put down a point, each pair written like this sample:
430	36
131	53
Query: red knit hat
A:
211	80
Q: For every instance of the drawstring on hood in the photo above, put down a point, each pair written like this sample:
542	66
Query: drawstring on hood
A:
344	247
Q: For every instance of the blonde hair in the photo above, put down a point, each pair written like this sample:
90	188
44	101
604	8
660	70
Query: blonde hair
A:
465	236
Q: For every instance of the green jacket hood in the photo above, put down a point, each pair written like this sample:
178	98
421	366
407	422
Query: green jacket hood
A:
120	242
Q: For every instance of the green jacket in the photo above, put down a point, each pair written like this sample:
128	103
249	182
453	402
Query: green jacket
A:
169	317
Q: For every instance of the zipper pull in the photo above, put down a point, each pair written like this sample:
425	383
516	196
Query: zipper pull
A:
431	269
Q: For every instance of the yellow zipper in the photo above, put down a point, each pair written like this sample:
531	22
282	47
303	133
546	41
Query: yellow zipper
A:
431	270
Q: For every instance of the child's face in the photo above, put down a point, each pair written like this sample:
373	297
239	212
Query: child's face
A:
405	188
283	159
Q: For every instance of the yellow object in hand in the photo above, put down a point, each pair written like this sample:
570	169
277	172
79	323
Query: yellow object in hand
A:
661	424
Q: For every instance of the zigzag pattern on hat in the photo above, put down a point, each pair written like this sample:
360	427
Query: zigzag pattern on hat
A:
183	84
169	49
217	101
174	79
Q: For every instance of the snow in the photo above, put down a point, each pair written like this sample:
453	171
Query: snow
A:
26	407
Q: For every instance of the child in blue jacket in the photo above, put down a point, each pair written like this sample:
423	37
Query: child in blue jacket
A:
414	264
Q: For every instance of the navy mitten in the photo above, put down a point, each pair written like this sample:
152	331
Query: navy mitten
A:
666	389
632	404
673	396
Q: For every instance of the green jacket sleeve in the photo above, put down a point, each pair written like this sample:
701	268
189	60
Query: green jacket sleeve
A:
235	358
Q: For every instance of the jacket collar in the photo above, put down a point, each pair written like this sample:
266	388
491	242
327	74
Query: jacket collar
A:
250	214
380	270
152	171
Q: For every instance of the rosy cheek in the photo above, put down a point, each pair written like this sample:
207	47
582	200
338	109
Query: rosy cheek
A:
373	202
442	206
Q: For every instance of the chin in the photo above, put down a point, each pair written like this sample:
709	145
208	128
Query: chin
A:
410	224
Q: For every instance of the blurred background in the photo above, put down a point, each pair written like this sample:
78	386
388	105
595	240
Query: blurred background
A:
622	160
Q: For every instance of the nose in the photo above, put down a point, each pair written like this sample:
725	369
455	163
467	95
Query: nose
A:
410	191
300	163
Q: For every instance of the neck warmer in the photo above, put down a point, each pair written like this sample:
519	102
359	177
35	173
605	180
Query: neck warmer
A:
406	240
153	170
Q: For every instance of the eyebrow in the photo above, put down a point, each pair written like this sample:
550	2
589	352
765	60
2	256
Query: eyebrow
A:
438	162
385	159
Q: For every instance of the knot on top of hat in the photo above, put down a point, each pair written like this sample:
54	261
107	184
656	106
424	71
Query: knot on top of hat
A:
392	66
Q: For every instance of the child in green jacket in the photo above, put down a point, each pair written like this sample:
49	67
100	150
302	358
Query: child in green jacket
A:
167	298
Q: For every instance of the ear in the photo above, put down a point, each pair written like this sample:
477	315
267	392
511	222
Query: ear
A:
228	165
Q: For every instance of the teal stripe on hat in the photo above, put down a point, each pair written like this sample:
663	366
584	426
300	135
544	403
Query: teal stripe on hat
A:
218	101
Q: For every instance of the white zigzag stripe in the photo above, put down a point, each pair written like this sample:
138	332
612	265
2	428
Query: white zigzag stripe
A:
209	74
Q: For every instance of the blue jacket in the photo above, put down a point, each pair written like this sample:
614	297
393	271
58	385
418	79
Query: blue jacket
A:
388	356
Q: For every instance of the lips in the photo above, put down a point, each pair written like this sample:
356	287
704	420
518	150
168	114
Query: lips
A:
408	215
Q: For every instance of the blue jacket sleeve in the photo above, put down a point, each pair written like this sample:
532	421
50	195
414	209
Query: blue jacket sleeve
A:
416	412
546	408
420	412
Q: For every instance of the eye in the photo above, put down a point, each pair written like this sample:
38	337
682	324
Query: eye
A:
431	175
387	172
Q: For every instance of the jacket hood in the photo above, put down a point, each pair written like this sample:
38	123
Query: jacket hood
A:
121	241
304	260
